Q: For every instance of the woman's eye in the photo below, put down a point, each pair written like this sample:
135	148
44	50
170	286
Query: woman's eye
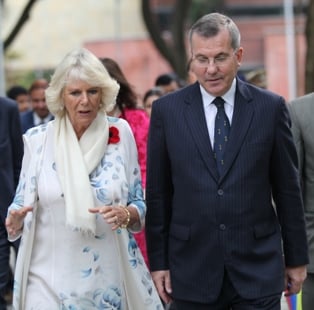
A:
93	91
75	93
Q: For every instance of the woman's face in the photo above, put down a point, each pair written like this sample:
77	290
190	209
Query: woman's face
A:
81	102
149	103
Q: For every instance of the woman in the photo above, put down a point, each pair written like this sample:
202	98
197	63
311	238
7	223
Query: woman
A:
126	108
149	97
79	196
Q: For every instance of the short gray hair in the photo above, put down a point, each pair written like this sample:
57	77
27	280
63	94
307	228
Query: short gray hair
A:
81	64
211	24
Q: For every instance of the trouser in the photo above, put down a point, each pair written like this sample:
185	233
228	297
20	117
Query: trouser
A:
308	292
5	247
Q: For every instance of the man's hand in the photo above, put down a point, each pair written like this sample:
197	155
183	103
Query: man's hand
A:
293	279
162	282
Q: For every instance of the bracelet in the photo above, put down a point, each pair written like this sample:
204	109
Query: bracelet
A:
128	217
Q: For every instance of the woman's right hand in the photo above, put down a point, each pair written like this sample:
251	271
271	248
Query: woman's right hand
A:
15	219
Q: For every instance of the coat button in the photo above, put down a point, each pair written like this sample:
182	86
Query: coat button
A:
220	192
222	226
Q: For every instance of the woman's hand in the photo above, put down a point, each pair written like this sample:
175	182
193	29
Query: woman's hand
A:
115	216
15	219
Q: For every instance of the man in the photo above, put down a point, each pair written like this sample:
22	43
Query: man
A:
11	150
302	115
215	239
167	82
39	113
21	96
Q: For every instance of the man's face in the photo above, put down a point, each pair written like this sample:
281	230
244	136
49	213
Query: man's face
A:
38	101
214	62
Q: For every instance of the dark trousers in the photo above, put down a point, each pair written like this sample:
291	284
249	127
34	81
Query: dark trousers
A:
5	247
229	299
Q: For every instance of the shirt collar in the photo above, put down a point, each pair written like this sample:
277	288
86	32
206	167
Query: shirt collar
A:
228	96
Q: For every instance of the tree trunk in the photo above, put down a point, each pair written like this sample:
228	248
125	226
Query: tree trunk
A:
173	51
19	24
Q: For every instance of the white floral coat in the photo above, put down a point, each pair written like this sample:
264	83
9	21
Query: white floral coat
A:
127	284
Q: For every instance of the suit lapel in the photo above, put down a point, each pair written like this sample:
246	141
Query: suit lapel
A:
195	120
242	117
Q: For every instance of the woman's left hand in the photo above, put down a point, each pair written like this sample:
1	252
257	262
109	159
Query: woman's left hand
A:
115	216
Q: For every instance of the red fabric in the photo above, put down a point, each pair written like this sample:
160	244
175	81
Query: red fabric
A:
139	123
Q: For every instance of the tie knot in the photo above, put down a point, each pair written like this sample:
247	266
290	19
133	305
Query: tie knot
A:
218	102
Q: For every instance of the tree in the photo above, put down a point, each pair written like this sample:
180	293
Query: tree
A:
173	50
172	46
24	17
309	36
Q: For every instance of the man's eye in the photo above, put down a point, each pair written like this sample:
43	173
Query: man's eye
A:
202	59
221	58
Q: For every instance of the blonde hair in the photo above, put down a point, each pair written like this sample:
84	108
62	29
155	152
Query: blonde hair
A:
81	64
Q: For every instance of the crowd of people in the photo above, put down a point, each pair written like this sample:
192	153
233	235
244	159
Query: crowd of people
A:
194	195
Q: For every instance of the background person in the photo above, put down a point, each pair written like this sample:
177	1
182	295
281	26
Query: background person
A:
11	150
126	108
78	200
215	239
167	82
39	113
149	97
21	96
302	116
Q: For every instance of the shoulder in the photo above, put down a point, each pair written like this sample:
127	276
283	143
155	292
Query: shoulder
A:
303	102
255	93
36	134
179	98
8	104
27	115
120	123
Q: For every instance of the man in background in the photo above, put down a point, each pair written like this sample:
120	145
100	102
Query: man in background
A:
39	113
11	150
21	96
302	116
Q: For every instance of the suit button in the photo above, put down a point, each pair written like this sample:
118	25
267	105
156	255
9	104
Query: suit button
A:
220	192
222	226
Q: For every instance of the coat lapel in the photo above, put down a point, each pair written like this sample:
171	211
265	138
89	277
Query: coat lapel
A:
195	120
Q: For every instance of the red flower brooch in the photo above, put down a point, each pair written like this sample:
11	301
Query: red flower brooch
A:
113	135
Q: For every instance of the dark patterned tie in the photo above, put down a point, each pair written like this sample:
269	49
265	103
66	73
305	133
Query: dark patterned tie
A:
222	128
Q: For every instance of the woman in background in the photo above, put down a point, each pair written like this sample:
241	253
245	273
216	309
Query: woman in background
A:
126	108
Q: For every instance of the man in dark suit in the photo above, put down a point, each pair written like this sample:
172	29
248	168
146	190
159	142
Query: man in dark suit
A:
225	224
302	116
39	114
11	153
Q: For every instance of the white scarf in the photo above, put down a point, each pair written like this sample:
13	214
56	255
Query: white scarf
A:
75	160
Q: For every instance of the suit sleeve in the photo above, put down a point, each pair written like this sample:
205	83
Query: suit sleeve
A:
17	143
287	192
158	192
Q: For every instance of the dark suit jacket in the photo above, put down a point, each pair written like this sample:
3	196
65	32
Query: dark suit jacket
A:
27	120
199	224
11	152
